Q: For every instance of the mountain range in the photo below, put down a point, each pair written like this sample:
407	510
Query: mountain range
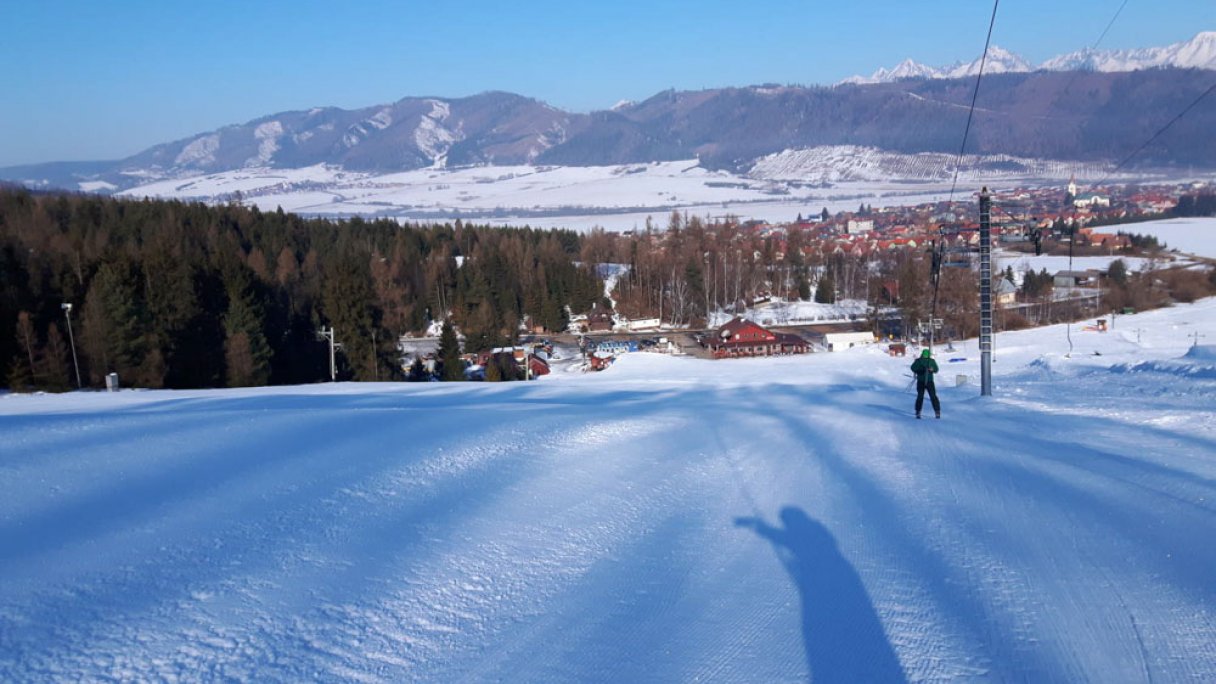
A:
1086	114
1196	53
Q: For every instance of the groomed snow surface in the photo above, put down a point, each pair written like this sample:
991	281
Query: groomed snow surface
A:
667	520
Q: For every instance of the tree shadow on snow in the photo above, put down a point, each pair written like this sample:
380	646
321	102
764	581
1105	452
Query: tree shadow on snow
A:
841	632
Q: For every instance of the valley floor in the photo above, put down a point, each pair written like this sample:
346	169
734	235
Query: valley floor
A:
670	519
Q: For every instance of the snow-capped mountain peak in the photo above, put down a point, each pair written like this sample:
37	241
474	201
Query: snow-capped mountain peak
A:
909	69
1196	53
998	61
905	69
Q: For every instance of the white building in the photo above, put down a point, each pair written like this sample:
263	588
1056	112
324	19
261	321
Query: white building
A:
1091	200
847	340
854	227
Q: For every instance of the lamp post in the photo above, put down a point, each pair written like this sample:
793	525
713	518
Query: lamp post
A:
67	314
328	334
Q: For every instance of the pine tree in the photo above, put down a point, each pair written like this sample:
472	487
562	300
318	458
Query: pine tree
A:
825	290
19	377
349	304
449	353
27	343
175	313
246	352
114	322
417	371
494	370
54	361
1117	273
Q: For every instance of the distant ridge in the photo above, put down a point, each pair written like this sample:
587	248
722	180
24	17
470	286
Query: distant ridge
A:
1090	115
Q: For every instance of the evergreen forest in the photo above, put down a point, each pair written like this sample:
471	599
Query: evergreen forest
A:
184	295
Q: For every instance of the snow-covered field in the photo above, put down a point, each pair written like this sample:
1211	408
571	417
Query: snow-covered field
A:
835	163
618	197
669	519
1020	263
1187	235
621	197
793	312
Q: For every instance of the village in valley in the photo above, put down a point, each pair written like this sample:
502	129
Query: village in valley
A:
769	318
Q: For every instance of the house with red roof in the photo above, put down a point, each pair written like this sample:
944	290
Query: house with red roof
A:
741	337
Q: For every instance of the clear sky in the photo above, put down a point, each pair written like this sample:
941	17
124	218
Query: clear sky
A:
104	80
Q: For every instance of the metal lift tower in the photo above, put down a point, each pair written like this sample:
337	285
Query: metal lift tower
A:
985	294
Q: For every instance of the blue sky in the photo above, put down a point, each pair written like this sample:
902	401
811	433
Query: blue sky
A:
90	80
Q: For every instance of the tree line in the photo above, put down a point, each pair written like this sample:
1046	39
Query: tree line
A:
1197	204
186	295
172	294
691	268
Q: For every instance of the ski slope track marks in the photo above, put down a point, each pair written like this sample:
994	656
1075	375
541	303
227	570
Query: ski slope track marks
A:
774	520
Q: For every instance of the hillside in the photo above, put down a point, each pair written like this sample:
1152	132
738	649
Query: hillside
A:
1062	116
667	520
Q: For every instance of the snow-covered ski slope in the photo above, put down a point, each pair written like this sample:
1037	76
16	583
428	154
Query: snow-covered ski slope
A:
668	520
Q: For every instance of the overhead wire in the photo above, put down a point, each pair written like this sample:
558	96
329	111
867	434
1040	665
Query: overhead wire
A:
1154	137
1110	174
1077	73
974	96
939	248
1108	25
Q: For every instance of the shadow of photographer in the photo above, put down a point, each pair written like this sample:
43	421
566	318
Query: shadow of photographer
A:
841	632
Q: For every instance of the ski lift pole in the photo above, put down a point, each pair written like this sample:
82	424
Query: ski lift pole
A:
985	294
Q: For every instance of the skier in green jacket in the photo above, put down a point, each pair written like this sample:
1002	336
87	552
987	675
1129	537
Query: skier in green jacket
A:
924	368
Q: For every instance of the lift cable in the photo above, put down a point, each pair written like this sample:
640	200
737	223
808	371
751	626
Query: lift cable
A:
974	96
939	247
1152	138
1077	73
1071	241
1110	174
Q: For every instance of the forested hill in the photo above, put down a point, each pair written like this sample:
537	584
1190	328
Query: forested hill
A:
169	294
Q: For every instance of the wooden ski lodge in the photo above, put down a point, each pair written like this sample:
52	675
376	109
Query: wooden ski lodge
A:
741	337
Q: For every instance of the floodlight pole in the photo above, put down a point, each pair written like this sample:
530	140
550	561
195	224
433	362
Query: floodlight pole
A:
985	294
67	314
328	334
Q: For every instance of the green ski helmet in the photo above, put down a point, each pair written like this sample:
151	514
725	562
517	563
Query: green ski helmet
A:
925	353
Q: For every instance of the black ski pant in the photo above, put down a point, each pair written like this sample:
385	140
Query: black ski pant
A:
921	386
